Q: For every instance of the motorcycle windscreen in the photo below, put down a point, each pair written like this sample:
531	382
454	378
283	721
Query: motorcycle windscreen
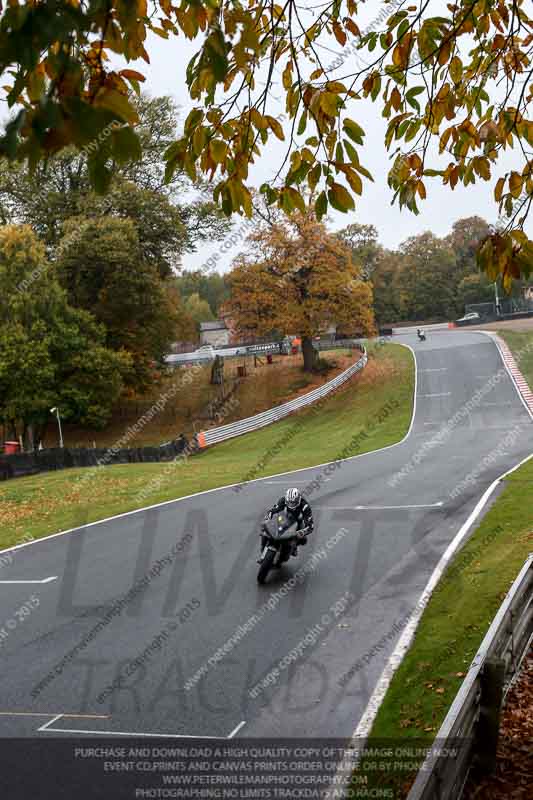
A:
280	527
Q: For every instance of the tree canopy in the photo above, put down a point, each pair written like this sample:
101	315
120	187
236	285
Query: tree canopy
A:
363	242
101	264
60	188
198	309
298	278
427	277
210	286
452	81
51	354
425	284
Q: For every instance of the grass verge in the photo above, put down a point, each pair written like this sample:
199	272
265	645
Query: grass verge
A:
50	502
521	346
451	629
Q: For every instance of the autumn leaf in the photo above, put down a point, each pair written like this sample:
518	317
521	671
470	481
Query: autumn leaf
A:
515	184
354	131
131	74
340	198
275	127
218	150
339	34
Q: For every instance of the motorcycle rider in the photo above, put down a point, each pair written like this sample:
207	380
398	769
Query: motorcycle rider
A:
298	509
421	335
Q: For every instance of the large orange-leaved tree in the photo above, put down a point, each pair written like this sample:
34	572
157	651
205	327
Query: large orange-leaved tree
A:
297	278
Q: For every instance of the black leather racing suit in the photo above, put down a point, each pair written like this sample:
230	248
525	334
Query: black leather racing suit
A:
302	514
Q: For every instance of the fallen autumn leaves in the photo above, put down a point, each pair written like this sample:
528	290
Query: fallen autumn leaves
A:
513	776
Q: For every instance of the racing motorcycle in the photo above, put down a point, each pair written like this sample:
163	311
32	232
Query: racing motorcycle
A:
279	534
421	335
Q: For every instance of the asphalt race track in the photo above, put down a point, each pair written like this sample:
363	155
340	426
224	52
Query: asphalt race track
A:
375	546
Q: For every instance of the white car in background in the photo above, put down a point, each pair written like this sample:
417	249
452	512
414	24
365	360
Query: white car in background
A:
472	316
206	350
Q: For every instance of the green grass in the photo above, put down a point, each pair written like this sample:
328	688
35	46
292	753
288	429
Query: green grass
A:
521	345
455	621
51	502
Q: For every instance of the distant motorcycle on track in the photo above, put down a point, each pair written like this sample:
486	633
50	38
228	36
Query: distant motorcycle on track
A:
278	535
421	335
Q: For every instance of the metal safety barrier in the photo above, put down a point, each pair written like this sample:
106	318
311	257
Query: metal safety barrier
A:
214	435
336	344
474	715
206	356
437	326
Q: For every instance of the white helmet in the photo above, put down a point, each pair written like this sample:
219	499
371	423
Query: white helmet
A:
292	498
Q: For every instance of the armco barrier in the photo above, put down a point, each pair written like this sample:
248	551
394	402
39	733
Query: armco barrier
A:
205	357
214	435
438	326
473	718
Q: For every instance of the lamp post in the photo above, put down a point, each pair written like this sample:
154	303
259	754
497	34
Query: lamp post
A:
56	410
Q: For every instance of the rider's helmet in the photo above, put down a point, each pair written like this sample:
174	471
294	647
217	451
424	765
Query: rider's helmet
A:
292	498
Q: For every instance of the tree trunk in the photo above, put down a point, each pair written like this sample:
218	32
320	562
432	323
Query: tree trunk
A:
29	437
38	433
309	353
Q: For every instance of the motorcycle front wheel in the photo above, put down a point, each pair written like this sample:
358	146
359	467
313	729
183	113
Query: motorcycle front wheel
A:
266	566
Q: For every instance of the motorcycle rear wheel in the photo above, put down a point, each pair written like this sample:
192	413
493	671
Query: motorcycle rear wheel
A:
266	566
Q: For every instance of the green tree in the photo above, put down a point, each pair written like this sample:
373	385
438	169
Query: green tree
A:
475	289
50	353
102	266
363	242
466	236
465	239
198	309
435	75
425	279
211	287
60	189
385	287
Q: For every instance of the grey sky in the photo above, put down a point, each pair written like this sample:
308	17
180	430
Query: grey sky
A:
166	75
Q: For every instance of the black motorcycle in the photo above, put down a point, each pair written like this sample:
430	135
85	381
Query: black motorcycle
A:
278	535
421	335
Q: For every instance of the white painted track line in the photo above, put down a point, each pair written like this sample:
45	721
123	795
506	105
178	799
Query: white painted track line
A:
236	729
134	734
50	714
379	508
46	728
50	722
421	505
45	580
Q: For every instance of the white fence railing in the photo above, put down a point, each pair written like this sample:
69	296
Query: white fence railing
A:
214	435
